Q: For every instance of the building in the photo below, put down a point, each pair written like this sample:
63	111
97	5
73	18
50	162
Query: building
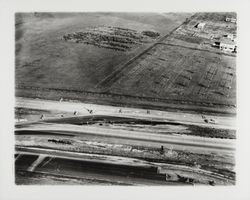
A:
231	37
230	19
20	120
200	25
226	45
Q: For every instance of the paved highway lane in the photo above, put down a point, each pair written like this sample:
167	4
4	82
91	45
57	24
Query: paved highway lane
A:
180	142
223	122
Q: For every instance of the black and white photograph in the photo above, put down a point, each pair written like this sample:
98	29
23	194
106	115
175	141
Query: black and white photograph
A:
125	98
107	97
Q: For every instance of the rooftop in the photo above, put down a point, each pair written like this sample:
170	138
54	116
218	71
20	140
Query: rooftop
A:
226	41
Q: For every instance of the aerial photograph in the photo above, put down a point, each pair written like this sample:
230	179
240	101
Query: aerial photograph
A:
125	98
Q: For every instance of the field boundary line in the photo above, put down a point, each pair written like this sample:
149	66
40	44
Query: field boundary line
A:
108	94
197	49
115	75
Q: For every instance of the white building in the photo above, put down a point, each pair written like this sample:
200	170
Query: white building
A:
230	19
201	25
20	120
231	37
226	45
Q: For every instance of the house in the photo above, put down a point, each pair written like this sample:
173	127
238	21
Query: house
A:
226	45
200	25
20	120
230	19
230	36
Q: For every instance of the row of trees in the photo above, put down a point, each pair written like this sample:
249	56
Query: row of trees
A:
115	38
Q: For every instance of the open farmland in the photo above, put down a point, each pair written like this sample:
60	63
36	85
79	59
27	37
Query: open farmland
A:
185	67
175	72
45	59
140	59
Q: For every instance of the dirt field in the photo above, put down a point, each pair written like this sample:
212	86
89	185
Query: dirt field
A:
174	72
181	68
44	59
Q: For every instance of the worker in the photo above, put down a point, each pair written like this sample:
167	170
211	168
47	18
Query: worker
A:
211	182
162	149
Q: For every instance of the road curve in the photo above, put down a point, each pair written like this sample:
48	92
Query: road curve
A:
223	122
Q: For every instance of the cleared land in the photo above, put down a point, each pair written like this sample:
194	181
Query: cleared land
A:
119	58
44	59
175	72
186	66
